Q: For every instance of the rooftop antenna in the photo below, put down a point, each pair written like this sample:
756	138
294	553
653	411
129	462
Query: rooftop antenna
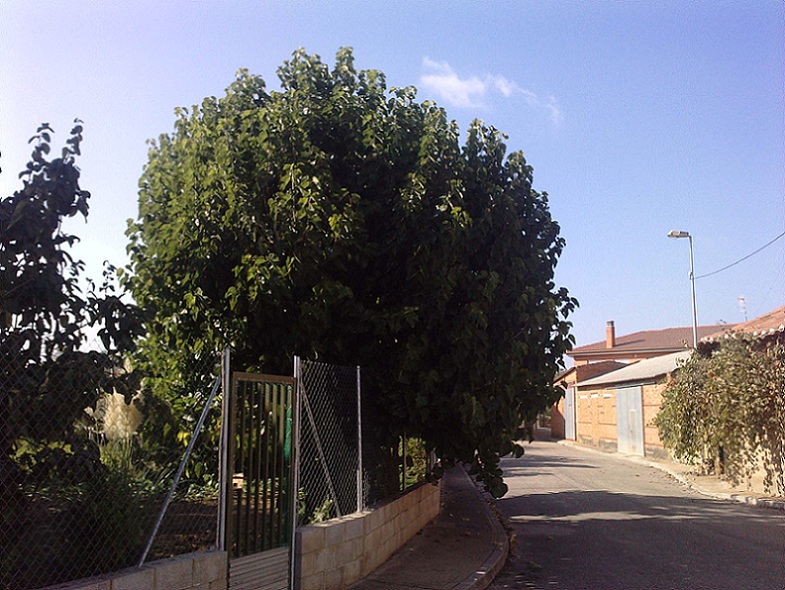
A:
742	305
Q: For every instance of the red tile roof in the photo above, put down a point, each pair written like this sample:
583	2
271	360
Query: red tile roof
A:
664	341
584	372
771	322
594	369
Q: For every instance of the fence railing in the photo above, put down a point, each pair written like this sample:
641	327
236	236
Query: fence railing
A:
330	445
85	469
103	467
261	433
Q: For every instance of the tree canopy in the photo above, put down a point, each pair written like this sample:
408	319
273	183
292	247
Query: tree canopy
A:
345	222
46	381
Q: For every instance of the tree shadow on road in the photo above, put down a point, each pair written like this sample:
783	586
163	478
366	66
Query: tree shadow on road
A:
600	539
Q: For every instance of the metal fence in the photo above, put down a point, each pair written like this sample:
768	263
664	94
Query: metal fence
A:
349	460
330	484
89	450
260	430
392	461
104	466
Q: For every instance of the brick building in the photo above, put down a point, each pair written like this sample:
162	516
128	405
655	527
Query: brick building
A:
560	421
614	391
598	358
638	346
614	411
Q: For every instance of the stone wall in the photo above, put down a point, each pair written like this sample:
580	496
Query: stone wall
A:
342	551
197	571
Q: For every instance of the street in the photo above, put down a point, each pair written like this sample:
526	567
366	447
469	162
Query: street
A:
588	520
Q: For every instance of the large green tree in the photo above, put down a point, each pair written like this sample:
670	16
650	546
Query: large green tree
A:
345	222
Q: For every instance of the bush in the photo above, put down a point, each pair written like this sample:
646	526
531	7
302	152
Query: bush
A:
725	408
76	525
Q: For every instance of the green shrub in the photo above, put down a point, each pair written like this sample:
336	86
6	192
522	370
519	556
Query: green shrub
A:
725	408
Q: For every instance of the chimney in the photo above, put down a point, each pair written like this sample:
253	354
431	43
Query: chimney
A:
610	335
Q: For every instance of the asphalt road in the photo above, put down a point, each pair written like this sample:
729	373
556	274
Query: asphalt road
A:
587	520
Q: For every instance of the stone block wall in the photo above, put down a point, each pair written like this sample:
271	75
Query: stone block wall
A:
331	555
194	571
342	551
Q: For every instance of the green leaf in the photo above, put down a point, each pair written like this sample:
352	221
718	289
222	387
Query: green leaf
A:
341	221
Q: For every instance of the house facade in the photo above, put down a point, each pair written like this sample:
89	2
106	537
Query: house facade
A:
562	416
612	406
598	358
615	411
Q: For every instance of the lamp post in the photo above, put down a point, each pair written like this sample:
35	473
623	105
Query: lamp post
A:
676	234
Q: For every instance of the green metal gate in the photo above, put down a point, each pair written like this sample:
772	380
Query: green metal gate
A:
259	514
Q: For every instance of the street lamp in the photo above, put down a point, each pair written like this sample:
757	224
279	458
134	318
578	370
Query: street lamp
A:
676	234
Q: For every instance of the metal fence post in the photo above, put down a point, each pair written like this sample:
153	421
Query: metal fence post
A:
403	462
224	468
360	502
295	468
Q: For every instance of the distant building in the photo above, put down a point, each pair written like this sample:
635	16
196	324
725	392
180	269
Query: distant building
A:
614	409
606	358
769	326
637	346
560	422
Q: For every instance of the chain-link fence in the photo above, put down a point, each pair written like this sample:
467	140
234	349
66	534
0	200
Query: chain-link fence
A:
89	449
391	462
348	458
92	471
329	442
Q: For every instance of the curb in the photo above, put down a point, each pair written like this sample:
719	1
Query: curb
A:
485	574
768	503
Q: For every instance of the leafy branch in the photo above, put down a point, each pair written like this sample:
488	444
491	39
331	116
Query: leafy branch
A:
724	409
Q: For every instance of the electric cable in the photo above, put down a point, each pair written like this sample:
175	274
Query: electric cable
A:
741	259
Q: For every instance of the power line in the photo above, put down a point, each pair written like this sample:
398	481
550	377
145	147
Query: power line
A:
741	259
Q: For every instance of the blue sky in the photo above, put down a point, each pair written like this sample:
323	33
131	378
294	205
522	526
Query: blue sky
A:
638	118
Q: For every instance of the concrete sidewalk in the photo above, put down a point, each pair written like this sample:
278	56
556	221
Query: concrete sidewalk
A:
708	485
461	549
713	486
